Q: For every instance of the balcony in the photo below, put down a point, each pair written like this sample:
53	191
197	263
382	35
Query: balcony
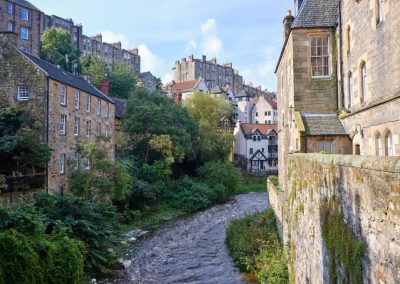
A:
273	155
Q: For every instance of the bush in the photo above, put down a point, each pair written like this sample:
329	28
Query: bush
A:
142	194
274	180
220	174
255	247
191	196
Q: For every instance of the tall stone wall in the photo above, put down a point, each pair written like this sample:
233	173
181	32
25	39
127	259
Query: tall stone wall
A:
368	192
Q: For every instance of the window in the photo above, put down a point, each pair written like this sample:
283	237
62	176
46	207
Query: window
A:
262	150
63	124
63	96
77	97
251	151
98	107
24	34
106	133
254	138
107	110
87	164
10	9
378	145
98	129
22	93
351	92
320	57
75	160
380	11
389	144
10	26
325	146
76	126
87	103
62	164
88	128
24	14
363	74
256	114
348	36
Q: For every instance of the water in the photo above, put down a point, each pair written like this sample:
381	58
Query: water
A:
191	250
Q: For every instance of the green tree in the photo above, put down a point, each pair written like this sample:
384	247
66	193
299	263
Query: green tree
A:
159	84
208	111
21	147
96	68
122	80
57	48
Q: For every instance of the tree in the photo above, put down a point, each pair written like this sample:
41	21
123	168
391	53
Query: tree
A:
158	129
159	84
122	80
208	111
21	147
57	48
96	68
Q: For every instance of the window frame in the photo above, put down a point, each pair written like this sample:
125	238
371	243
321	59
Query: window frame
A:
88	102
350	86
10	9
20	93
63	95
26	14
380	12
98	107
363	81
322	56
88	128
10	24
77	100
62	164
77	122
23	35
62	125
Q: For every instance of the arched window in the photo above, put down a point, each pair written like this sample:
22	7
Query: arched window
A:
348	35
378	144
389	144
380	11
363	81
351	92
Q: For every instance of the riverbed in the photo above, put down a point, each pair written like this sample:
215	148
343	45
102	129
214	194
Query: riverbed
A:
191	249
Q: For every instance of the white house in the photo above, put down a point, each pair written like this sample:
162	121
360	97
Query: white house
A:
244	103
183	91
256	147
264	111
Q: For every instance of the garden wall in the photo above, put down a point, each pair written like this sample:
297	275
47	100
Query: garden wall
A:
367	190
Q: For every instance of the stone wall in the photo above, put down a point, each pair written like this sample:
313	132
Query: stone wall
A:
368	191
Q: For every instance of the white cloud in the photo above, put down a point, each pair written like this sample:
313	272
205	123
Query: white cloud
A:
167	78
111	37
149	61
191	46
209	27
211	44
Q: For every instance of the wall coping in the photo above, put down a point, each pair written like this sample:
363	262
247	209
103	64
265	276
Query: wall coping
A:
375	163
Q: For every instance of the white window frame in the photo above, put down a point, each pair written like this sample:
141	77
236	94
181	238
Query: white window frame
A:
98	107
77	123
321	56
87	164
88	99
389	144
107	110
63	124
23	93
10	9
77	99
381	4
24	15
62	163
88	128
63	95
10	26
98	129
363	82
24	33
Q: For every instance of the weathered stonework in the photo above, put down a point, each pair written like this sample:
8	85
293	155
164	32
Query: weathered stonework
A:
368	190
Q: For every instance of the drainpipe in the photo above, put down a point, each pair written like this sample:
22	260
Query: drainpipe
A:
341	104
47	132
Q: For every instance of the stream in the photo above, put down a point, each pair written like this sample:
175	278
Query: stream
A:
191	249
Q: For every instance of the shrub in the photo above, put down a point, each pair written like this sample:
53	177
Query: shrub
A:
274	180
142	194
220	173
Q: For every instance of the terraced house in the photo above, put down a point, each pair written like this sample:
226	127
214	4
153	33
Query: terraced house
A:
66	107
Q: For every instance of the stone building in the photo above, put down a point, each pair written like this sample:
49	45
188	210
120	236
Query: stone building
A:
307	83
148	81
64	106
25	19
369	78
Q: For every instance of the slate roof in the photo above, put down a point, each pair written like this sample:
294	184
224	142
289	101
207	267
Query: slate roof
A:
316	14
120	107
65	77
322	124
249	128
25	3
217	90
242	94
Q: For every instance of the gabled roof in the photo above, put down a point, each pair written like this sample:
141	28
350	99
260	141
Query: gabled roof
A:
217	90
120	107
316	14
317	124
243	93
249	128
185	86
25	3
258	155
65	77
272	103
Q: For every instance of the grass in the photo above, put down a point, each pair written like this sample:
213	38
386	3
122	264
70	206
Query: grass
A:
252	187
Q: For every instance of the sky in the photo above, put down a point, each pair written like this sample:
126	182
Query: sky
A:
247	33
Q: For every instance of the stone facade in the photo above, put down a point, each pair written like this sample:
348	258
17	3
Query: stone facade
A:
24	19
368	191
148	81
372	116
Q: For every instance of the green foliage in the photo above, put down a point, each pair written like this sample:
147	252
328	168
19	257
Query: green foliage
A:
274	180
191	196
159	84
21	147
344	250
57	48
324	152
221	174
255	247
208	111
251	187
122	80
96	68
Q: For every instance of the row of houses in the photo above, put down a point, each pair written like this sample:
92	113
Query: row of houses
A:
25	19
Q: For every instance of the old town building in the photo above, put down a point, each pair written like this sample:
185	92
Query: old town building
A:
66	108
148	81
183	91
26	20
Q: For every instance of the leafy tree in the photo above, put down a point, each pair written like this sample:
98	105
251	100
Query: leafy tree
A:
208	111
122	80
58	49
158	129
96	68
21	147
159	84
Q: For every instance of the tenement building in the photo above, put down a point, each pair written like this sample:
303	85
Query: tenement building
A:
66	108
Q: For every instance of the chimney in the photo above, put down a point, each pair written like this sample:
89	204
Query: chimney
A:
204	58
105	86
287	24
8	40
214	60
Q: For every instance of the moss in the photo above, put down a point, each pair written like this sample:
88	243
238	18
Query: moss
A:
301	208
292	260
292	195
344	250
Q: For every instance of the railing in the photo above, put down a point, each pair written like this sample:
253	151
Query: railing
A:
273	155
273	143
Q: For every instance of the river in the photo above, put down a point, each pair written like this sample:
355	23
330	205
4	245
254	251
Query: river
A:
192	249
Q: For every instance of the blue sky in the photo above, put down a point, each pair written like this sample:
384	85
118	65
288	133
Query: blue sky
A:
246	33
